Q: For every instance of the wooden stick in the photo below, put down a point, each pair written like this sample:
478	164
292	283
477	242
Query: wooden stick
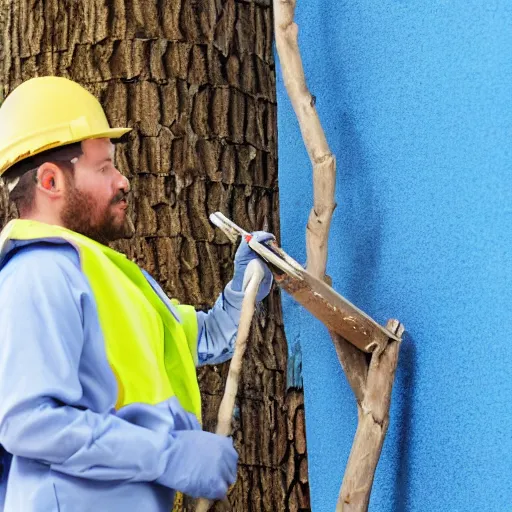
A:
227	405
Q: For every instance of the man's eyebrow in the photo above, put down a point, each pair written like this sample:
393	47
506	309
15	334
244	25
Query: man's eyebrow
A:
104	160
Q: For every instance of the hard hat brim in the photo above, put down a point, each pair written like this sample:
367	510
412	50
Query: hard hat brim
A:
111	133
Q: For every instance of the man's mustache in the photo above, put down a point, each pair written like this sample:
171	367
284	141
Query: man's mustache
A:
120	196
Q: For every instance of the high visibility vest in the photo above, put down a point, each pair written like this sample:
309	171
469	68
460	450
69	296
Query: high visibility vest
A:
151	353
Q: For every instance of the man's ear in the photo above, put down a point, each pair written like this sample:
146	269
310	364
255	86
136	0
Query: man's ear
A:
50	179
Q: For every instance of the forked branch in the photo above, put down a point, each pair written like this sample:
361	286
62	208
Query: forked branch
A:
371	383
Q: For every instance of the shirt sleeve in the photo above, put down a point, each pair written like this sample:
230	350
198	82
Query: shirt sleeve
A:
41	333
218	327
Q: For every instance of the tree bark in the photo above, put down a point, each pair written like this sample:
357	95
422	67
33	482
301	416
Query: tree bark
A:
196	81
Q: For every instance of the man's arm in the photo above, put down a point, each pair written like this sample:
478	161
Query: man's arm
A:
218	328
41	333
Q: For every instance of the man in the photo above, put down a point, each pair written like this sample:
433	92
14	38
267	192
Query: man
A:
99	401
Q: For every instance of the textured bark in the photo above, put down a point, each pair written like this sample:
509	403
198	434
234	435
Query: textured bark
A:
196	81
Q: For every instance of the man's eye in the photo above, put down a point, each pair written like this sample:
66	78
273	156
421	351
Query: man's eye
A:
102	169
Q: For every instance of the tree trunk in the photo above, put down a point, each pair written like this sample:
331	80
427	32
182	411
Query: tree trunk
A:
196	80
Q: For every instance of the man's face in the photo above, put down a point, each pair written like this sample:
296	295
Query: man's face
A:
97	195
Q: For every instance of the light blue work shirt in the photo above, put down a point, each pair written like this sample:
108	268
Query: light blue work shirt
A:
71	450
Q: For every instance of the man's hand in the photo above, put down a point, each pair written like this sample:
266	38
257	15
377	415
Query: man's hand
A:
243	256
201	464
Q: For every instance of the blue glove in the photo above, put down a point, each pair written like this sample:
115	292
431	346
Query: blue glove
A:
201	464
243	256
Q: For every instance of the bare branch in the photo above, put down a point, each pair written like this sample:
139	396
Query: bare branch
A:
372	384
353	362
372	427
322	160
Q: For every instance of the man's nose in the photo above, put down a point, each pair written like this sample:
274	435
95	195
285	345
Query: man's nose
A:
126	184
123	183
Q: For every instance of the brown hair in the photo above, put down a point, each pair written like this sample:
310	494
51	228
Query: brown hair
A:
23	194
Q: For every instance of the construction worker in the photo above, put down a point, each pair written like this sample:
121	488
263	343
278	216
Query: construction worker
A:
99	401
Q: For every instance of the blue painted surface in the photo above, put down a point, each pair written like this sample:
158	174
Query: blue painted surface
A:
416	101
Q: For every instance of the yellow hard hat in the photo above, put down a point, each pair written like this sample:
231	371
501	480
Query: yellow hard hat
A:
49	112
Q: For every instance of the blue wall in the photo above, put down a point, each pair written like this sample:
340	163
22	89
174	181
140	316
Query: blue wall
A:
416	101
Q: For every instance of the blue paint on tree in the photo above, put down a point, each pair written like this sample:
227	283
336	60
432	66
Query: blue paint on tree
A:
416	100
294	373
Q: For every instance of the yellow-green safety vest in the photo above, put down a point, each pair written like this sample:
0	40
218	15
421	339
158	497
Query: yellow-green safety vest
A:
152	355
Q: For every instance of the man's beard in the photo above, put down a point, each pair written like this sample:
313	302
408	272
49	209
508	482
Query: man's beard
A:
79	215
